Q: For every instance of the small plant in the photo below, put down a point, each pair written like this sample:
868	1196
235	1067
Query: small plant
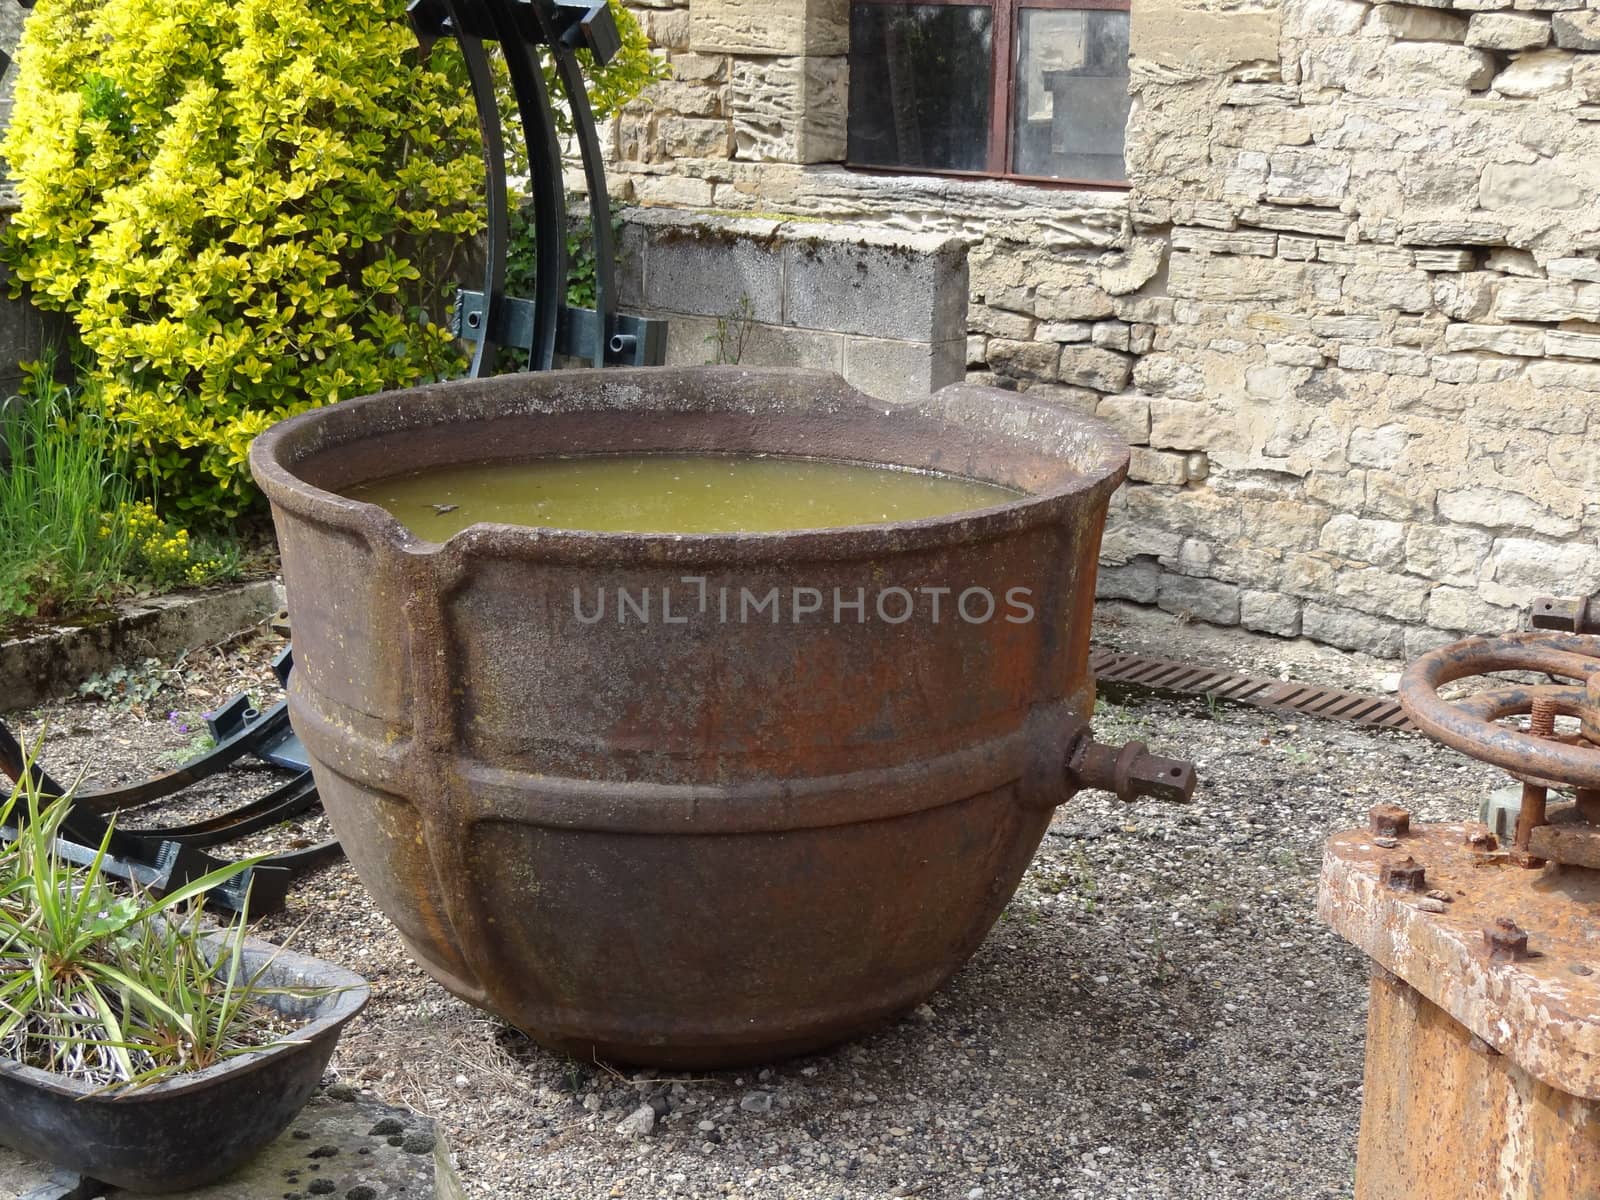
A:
72	535
1088	887
732	333
162	555
200	740
127	686
116	989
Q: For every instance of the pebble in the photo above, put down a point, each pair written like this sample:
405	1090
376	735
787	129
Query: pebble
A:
757	1102
1429	904
641	1122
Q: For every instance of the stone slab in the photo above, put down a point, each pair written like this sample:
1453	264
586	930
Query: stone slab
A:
850	280
53	661
1193	36
769	26
342	1145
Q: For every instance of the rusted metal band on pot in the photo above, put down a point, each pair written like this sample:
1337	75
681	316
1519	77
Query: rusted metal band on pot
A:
754	806
1052	732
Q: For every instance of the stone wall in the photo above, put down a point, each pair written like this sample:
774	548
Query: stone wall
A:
1348	314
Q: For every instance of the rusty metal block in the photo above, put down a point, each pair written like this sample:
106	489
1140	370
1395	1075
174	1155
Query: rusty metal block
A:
1483	1037
1447	1117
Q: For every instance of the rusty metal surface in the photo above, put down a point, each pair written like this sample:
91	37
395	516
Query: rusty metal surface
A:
693	843
1568	615
1194	679
1449	943
1445	1117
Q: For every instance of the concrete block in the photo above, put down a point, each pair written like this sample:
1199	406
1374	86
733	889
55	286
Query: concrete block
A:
895	370
708	269
877	284
696	341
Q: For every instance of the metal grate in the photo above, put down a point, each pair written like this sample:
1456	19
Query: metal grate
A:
1188	679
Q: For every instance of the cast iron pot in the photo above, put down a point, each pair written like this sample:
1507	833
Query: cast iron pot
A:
189	1130
700	839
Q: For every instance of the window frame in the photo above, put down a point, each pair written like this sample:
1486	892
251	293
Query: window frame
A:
1002	96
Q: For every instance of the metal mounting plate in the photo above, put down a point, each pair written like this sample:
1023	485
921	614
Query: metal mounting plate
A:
1543	1011
634	341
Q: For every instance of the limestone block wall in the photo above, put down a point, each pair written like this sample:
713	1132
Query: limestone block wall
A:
1348	314
1383	290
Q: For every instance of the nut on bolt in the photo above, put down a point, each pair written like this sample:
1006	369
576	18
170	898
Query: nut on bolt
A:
1507	941
1389	820
1407	875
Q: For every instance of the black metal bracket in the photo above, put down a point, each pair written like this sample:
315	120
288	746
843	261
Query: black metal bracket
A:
542	327
634	341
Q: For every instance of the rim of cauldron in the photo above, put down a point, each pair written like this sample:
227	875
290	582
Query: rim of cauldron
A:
1101	462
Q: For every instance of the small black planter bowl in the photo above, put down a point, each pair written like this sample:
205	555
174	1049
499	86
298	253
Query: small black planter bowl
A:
188	1130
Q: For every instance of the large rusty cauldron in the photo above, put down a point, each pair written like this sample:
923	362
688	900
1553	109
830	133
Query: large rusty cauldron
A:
710	841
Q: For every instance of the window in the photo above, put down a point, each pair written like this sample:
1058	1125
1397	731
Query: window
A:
1026	89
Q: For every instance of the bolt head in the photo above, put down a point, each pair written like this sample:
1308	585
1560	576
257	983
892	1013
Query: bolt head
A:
1389	820
1407	875
1507	941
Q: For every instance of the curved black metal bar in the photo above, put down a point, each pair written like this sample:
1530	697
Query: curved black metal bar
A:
498	230
291	861
271	725
297	796
594	174
544	174
250	738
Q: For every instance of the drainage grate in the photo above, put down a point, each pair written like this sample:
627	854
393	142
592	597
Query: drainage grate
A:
1187	679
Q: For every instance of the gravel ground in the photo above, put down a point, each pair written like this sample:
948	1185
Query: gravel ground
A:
1157	1014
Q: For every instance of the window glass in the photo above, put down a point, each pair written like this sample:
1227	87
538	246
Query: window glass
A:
1071	108
921	76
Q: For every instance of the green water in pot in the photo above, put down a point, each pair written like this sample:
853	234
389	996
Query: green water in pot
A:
671	493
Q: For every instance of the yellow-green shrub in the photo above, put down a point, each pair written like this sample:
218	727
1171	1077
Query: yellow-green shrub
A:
248	207
245	207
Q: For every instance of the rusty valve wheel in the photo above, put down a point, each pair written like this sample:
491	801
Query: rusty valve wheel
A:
1470	725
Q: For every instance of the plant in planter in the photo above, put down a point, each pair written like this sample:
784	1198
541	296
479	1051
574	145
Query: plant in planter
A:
137	1045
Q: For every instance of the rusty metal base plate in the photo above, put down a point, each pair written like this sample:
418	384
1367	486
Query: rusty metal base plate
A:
1543	1011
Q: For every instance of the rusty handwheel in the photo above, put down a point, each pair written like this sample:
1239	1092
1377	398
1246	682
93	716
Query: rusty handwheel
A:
1470	726
1540	758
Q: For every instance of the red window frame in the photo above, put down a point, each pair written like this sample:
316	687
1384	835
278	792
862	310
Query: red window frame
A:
1002	97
